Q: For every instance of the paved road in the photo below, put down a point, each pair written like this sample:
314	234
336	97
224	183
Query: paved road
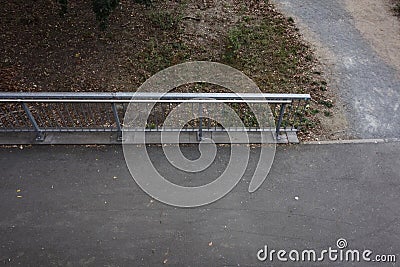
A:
367	85
80	206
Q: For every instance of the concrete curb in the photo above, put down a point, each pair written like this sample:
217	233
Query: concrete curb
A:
108	138
354	141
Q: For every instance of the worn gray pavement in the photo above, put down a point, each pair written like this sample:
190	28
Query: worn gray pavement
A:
367	86
80	206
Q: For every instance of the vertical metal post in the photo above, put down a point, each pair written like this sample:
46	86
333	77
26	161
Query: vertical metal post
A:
278	125
115	112
39	133
200	134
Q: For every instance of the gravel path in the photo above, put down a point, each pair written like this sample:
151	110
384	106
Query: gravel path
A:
368	87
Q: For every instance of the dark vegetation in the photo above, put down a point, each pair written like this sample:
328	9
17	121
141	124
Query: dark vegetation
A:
396	7
102	9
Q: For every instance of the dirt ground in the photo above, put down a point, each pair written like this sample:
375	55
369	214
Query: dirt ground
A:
42	51
375	21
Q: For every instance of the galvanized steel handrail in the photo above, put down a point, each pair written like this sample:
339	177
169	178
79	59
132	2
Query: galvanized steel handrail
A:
143	95
65	111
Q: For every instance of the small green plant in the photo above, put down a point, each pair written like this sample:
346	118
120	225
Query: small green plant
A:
246	18
237	37
159	56
165	20
305	123
63	7
103	9
309	58
151	125
144	2
262	49
396	8
328	114
326	103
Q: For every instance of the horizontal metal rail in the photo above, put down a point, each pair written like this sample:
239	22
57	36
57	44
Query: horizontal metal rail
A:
43	112
146	101
143	95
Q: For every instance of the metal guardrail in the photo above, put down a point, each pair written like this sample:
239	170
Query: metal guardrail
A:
44	112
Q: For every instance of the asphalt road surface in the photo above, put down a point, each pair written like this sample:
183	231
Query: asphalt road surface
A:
72	206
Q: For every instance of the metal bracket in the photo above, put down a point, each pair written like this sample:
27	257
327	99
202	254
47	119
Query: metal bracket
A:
39	133
278	125
118	122
200	133
40	137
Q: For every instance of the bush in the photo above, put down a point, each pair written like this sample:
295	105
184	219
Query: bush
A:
397	7
102	9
